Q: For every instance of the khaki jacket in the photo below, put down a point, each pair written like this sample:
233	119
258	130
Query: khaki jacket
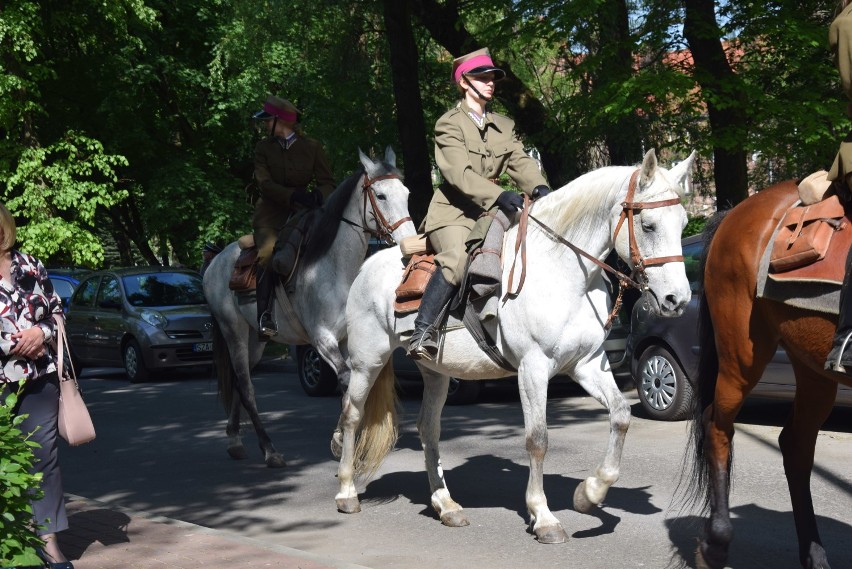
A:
279	173
469	157
840	40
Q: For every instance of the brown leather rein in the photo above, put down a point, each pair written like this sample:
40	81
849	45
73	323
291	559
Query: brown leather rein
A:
628	209
385	228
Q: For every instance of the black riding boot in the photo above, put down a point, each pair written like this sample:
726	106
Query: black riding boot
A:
840	357
265	292
424	340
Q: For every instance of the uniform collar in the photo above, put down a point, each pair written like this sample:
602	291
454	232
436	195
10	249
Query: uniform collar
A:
286	143
481	122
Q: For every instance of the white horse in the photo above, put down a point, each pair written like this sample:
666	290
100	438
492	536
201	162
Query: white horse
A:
554	324
370	202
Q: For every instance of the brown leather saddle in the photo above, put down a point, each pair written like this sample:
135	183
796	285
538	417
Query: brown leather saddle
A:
244	276
807	235
415	277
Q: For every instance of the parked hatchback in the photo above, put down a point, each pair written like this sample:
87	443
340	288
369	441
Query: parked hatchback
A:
663	355
146	319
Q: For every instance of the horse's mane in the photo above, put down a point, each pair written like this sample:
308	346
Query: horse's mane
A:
577	207
325	222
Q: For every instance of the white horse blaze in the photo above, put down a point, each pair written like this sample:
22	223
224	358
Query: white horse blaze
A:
539	332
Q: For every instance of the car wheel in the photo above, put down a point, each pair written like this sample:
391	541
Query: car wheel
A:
462	392
316	376
664	390
134	364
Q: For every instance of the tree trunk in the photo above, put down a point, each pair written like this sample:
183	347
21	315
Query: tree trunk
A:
726	100
409	106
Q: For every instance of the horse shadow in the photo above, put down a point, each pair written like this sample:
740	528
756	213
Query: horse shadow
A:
105	526
762	539
506	488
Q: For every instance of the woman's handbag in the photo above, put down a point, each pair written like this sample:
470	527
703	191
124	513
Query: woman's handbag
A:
74	423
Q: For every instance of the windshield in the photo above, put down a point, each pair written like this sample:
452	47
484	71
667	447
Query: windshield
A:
164	289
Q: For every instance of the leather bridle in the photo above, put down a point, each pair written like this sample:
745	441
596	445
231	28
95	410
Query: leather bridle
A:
638	278
385	228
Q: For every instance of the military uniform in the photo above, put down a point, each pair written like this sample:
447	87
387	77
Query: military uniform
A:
280	172
470	156
840	40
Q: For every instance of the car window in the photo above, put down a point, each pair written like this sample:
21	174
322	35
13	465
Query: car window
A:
164	289
692	262
63	288
109	292
85	295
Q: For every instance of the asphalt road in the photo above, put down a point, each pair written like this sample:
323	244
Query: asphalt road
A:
161	450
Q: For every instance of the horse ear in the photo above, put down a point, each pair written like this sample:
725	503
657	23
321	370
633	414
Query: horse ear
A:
390	156
369	165
649	168
682	171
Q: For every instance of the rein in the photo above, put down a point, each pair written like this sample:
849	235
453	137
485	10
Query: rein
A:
629	207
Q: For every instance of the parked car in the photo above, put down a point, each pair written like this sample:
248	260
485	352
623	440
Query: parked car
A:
663	355
146	319
64	281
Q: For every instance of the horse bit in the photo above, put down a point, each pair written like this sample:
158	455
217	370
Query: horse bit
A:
385	228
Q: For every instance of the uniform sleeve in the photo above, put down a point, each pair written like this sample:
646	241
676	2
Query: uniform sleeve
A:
523	169
322	173
840	40
451	155
269	188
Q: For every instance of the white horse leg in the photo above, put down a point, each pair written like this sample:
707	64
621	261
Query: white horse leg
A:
601	385
532	383
435	387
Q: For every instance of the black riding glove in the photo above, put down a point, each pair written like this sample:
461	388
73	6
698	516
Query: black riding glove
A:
540	192
510	202
309	200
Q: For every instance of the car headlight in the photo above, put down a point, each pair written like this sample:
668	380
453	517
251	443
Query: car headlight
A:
154	318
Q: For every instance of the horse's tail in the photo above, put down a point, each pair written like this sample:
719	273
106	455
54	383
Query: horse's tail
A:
379	426
224	369
696	467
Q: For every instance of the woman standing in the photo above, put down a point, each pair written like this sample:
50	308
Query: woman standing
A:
473	147
286	163
27	361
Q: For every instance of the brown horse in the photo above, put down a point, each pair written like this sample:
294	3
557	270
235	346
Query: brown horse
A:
733	358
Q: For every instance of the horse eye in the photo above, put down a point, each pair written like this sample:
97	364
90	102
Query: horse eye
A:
648	227
382	197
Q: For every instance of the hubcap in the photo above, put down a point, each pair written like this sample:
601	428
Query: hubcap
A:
659	383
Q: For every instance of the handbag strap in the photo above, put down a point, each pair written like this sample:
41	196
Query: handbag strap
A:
61	347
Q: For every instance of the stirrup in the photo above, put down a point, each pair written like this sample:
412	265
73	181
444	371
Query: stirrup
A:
424	346
834	362
266	327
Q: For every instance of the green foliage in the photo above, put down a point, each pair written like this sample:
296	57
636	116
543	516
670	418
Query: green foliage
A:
17	489
695	225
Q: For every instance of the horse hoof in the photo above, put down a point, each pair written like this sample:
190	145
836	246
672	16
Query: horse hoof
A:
348	505
275	460
238	452
454	519
552	534
582	503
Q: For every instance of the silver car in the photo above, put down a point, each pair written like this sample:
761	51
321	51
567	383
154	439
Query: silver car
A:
146	319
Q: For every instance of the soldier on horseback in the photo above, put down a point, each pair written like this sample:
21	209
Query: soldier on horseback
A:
473	147
286	162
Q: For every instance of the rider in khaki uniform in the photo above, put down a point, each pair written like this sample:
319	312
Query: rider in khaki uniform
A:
473	147
840	39
285	164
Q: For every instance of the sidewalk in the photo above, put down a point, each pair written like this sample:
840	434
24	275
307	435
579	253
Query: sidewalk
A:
102	536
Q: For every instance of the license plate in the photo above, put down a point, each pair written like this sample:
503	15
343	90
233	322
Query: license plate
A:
203	347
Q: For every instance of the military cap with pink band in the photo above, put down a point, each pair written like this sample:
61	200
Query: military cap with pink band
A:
277	107
476	63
